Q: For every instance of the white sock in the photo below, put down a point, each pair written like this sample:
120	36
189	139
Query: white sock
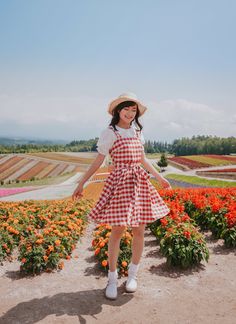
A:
133	267
112	274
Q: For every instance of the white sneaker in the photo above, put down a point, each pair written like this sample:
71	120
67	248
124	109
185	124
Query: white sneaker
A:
131	283
111	288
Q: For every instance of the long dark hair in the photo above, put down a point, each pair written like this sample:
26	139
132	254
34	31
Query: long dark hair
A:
115	119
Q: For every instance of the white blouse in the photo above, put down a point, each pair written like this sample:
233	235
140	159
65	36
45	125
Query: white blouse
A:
108	137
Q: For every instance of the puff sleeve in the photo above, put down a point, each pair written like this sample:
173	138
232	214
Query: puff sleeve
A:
105	141
142	138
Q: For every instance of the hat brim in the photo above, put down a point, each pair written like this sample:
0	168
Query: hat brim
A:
117	101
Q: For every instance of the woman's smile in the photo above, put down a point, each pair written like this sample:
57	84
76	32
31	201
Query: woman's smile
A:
127	114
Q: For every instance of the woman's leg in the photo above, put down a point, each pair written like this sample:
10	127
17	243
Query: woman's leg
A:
114	246
137	250
138	243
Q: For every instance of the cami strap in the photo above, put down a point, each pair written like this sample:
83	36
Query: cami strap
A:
138	133
116	132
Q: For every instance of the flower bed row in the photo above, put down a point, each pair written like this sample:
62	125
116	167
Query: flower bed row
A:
101	235
21	169
189	163
213	209
222	170
208	208
12	191
43	231
180	239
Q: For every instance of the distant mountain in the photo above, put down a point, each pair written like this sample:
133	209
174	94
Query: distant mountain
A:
8	141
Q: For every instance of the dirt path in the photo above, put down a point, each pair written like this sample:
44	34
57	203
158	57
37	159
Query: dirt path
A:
204	295
56	191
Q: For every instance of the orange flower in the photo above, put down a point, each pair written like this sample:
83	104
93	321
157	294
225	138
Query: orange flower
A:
45	258
39	241
102	244
23	260
61	265
51	248
94	242
127	235
124	264
97	251
57	242
104	263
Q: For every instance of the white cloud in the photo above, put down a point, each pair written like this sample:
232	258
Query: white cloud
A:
83	117
177	118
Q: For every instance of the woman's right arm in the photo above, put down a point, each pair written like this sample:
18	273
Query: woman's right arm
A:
93	168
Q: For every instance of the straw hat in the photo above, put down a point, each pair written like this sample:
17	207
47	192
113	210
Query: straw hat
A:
128	96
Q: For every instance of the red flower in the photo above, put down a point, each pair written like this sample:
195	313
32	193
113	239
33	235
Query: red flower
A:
185	218
187	234
164	221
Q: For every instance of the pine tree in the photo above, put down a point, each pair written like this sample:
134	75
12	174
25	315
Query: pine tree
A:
162	162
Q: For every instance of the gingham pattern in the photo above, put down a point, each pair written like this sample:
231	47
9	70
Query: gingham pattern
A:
128	197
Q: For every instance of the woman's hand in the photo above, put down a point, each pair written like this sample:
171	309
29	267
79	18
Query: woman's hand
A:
165	184
78	191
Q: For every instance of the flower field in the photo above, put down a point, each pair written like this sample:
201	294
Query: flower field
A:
62	157
226	173
220	170
12	191
202	161
96	183
44	232
26	167
179	233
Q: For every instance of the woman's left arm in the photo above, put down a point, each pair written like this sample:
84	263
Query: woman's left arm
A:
147	165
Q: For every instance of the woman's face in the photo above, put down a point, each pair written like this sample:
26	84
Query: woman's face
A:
127	114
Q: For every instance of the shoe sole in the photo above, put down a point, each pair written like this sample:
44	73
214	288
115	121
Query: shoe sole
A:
110	297
129	291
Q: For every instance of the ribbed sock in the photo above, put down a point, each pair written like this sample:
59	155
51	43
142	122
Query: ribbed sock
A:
133	267
112	274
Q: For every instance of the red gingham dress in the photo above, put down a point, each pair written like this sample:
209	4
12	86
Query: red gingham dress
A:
128	197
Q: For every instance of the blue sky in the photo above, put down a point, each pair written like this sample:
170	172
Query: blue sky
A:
61	62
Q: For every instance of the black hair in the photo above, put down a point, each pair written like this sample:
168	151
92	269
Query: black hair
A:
116	118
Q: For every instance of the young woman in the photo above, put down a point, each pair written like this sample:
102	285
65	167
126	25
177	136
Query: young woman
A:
128	197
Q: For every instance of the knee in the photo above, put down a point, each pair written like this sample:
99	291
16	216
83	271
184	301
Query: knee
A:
138	231
117	231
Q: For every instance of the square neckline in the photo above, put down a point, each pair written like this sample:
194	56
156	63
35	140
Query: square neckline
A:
119	137
136	132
